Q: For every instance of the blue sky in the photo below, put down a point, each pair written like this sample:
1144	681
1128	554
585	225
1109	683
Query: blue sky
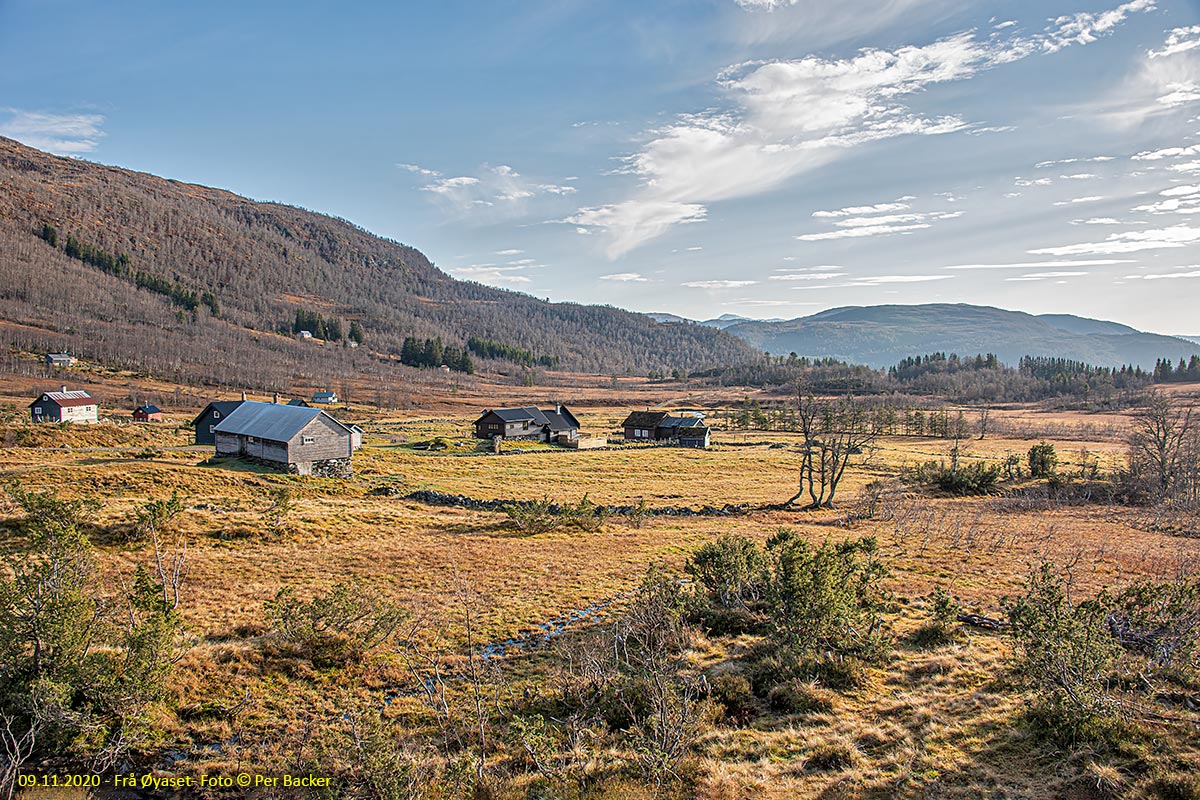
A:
768	158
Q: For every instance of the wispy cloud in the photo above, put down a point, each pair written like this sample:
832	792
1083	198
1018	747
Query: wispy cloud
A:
491	273
1179	40
1181	200
1036	264
1167	152
778	119
718	284
500	187
625	277
881	225
1095	198
851	211
1129	242
1062	161
1041	276
1193	272
808	276
63	134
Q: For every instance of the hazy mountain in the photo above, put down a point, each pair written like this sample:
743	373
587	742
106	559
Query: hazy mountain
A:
160	257
882	335
721	323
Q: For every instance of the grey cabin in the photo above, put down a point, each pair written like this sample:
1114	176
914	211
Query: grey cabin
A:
212	415
302	441
325	398
64	406
60	360
528	423
687	429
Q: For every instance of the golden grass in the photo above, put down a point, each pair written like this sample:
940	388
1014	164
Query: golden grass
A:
940	723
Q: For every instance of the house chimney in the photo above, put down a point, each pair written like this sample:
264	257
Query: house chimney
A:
243	397
275	398
558	408
64	389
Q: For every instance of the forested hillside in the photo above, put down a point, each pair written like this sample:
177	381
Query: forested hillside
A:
195	283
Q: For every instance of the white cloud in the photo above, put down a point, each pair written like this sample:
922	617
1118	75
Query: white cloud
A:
850	211
1038	276
1169	152
1033	182
859	227
512	252
718	284
1079	176
778	119
1180	40
880	280
634	221
490	273
1097	221
419	170
1129	242
1086	27
1187	166
625	277
1077	200
808	276
858	233
1061	161
1035	264
501	188
1180	191
1193	273
62	134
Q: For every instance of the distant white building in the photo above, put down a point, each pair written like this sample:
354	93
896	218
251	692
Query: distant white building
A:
60	360
304	335
64	406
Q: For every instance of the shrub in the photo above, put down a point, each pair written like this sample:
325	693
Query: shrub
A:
1042	460
942	628
734	694
799	697
334	628
1066	651
585	515
827	599
732	570
534	516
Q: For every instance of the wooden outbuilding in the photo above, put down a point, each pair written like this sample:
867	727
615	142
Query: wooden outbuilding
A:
147	413
303	441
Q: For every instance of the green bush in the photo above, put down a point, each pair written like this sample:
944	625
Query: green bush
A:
1066	652
334	628
799	697
827	599
1042	460
732	570
533	516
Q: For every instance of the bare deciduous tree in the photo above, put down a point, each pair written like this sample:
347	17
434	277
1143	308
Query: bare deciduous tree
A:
1164	448
834	430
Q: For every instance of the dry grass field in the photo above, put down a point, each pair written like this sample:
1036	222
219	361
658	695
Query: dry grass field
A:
945	721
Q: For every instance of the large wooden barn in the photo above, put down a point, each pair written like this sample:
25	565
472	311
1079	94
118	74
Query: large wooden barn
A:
303	441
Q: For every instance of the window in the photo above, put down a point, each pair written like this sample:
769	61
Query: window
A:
211	428
306	440
216	414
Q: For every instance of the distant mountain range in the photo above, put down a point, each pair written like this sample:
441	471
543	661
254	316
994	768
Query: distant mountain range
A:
882	335
720	323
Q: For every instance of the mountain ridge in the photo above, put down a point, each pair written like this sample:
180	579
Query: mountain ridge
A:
156	251
880	336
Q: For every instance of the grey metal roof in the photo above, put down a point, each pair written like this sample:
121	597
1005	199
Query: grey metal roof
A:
270	421
559	422
520	415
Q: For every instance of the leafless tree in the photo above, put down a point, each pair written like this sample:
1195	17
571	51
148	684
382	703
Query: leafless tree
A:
1164	448
834	431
